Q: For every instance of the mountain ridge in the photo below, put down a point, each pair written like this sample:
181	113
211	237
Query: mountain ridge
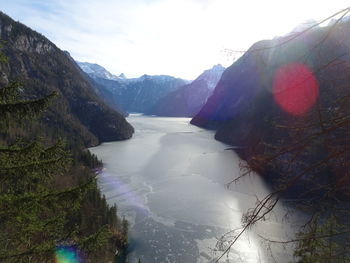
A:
97	71
187	100
245	111
42	67
134	94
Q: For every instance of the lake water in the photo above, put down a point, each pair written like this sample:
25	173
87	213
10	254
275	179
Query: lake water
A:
170	182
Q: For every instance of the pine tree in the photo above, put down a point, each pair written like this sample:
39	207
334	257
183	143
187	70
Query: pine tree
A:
323	241
35	217
125	227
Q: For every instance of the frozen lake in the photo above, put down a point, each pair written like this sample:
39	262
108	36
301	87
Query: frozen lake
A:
170	182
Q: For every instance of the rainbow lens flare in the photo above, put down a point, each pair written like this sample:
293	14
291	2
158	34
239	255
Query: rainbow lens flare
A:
67	254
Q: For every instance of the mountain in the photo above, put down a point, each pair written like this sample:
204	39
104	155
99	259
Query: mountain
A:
289	91
104	93
304	26
333	21
59	178
189	99
97	71
136	94
78	113
122	76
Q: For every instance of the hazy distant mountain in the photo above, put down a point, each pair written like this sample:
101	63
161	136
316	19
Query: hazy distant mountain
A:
77	113
122	76
135	94
338	20
189	99
303	26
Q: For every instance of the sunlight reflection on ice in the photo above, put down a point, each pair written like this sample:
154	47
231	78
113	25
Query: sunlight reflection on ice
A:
171	183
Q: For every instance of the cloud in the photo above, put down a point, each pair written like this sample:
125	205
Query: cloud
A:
175	37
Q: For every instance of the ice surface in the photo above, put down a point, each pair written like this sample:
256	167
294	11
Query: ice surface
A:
170	180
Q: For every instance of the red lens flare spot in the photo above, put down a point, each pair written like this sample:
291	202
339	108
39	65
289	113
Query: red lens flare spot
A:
295	88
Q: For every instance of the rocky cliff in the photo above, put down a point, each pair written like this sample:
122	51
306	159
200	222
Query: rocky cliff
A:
78	113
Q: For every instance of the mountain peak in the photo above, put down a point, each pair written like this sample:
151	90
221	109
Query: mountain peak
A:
304	26
122	76
212	76
97	71
218	66
190	98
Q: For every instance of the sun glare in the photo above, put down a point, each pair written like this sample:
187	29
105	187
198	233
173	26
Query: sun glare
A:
174	37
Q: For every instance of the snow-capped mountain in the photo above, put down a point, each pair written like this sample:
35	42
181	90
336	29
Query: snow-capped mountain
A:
122	76
97	71
134	94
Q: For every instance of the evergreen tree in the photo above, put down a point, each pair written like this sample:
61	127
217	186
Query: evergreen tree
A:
323	240
125	227
31	213
31	216
37	216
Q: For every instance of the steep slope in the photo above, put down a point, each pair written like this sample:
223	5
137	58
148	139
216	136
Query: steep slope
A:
104	94
136	94
189	99
78	113
283	92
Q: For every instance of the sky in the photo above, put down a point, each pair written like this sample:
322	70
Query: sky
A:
172	37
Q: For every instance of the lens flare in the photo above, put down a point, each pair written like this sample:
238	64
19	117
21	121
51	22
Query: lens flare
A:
118	191
295	88
67	254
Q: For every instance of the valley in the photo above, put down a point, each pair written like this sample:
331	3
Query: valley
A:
154	178
199	153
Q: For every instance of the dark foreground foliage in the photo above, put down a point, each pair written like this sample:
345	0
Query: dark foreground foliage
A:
48	194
